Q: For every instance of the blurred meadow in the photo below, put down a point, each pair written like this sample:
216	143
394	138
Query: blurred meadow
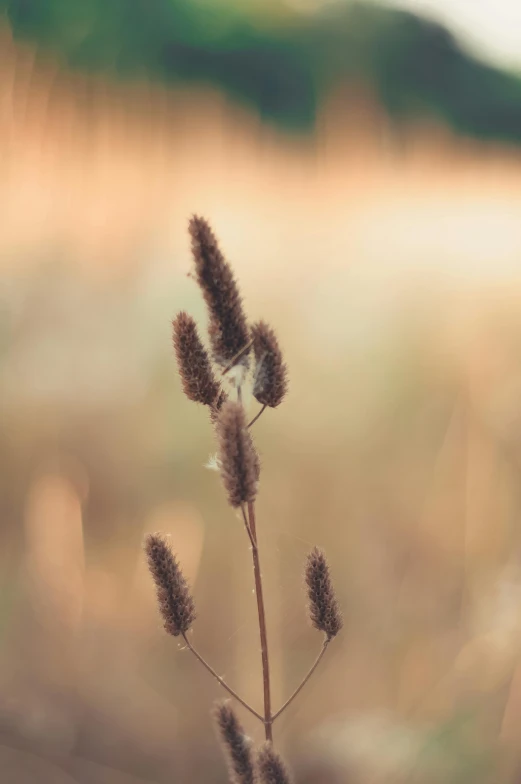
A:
362	172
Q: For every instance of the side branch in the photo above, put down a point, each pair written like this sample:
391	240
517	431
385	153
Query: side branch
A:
220	680
239	355
257	416
306	679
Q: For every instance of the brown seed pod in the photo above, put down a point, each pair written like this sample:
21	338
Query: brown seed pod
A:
228	328
175	601
270	766
271	382
199	383
238	459
237	747
323	606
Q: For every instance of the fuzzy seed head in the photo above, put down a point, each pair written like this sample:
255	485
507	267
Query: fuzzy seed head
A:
323	606
271	382
221	398
270	767
238	459
175	601
237	747
228	328
193	362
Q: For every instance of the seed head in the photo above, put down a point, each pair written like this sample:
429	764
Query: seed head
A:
175	601
238	460
270	767
271	382
323	606
221	398
237	747
194	366
228	328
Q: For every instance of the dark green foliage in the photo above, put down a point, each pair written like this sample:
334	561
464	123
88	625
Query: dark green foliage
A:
282	69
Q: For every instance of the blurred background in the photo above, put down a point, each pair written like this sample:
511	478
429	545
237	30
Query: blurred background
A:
361	166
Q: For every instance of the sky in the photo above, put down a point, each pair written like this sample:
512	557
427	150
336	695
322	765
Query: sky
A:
491	28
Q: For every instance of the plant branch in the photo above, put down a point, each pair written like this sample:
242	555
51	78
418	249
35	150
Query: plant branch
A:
238	356
258	415
268	719
306	679
220	680
247	526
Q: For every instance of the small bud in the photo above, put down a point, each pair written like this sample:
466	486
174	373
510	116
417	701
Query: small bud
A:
238	460
236	745
199	383
270	767
175	601
271	384
228	328
323	606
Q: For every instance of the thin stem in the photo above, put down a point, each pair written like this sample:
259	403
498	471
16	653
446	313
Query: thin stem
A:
268	719
239	394
306	679
220	680
247	525
258	415
238	356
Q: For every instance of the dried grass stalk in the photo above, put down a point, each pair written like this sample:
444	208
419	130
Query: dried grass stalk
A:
238	462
